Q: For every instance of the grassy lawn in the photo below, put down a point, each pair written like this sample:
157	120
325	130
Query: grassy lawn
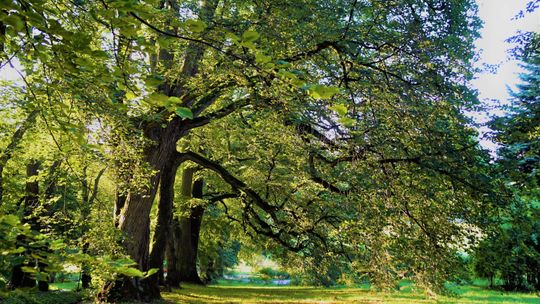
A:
268	294
63	286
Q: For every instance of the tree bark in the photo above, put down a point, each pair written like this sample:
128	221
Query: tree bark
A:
134	218
164	221
190	228
184	239
173	273
176	241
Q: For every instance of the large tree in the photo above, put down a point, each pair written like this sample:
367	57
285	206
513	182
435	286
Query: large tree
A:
371	93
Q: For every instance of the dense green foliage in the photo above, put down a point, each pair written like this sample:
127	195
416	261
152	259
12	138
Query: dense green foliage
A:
330	135
512	252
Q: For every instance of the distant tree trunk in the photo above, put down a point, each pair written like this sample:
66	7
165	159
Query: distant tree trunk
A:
190	228
176	241
173	273
18	277
87	199
184	238
119	204
15	140
215	268
86	278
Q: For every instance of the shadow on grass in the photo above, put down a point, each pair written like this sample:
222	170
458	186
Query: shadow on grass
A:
257	294
266	294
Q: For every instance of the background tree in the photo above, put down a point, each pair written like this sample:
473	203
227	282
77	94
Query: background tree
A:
512	252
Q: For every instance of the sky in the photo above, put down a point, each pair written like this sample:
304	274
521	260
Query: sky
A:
499	25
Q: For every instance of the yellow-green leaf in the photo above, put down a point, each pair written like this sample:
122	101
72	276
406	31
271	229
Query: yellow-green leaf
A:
158	99
248	44
339	108
130	95
195	26
130	272
261	58
250	36
347	121
322	92
175	100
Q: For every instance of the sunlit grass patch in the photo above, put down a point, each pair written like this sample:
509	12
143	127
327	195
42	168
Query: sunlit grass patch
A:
266	294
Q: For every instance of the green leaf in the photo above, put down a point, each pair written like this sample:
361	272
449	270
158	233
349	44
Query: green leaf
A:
195	26
322	92
15	21
158	99
11	220
339	108
175	100
130	272
506	226
151	272
235	39
184	112
153	80
124	262
347	121
57	245
130	95
28	269
248	44
164	42
261	58
250	36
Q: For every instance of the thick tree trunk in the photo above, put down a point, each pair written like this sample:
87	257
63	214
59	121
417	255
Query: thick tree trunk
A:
134	219
164	221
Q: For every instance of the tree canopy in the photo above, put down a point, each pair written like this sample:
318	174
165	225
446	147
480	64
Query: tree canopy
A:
330	133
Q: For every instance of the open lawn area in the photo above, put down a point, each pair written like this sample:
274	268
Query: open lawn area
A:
267	294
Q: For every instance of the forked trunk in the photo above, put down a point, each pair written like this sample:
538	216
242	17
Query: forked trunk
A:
134	221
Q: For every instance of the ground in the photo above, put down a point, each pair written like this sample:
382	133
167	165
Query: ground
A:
268	294
227	292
